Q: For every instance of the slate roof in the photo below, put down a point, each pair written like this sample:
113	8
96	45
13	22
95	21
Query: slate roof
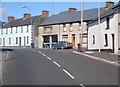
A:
1	24
117	5
67	17
21	21
108	12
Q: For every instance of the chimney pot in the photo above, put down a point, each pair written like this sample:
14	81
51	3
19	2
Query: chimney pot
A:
11	18
45	13
26	15
72	10
109	4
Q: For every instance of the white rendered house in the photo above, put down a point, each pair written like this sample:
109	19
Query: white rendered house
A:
106	35
17	32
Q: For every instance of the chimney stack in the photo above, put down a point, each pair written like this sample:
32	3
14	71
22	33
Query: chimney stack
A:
26	15
10	18
109	4
72	10
45	13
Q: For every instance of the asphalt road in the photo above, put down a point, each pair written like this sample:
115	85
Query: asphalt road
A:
55	67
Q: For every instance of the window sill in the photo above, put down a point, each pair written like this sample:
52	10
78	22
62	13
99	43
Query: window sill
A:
107	28
105	45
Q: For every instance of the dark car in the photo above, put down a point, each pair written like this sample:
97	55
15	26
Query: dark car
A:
62	45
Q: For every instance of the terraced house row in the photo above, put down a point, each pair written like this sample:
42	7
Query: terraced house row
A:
43	31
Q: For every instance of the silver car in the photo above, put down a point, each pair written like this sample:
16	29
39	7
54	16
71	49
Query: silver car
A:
62	45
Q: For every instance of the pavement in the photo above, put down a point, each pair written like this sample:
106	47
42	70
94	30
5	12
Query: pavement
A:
101	56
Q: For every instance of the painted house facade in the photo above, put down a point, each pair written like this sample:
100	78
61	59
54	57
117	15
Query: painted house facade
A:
17	32
20	32
65	26
106	35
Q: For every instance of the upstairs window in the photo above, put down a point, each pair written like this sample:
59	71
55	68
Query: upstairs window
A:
64	27
6	30
107	22
47	29
71	28
93	39
106	40
21	29
16	29
11	30
27	28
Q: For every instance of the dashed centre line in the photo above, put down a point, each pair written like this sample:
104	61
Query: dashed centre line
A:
56	63
68	74
7	54
39	52
82	85
34	50
43	54
49	58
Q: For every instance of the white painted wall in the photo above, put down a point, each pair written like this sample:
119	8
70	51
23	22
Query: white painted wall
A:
94	30
15	34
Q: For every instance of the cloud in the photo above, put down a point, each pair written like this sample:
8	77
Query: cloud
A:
2	11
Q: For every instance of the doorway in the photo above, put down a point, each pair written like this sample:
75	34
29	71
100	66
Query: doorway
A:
113	43
24	41
73	39
19	41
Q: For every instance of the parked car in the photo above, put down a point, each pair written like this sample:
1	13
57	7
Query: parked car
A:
62	45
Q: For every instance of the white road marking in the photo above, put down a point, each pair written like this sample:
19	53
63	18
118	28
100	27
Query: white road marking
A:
43	54
34	50
82	85
56	63
39	52
49	58
97	58
7	54
68	73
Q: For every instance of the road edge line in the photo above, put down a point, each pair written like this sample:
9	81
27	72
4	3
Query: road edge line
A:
97	58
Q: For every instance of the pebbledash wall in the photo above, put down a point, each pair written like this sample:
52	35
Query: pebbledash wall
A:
61	35
16	36
66	26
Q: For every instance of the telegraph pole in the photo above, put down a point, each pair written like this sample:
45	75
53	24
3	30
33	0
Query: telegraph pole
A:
81	35
99	25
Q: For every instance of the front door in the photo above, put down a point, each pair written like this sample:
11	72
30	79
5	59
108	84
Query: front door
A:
24	41
113	43
19	41
73	39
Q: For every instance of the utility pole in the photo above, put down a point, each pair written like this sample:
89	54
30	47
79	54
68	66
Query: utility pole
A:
32	42
99	25
81	35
